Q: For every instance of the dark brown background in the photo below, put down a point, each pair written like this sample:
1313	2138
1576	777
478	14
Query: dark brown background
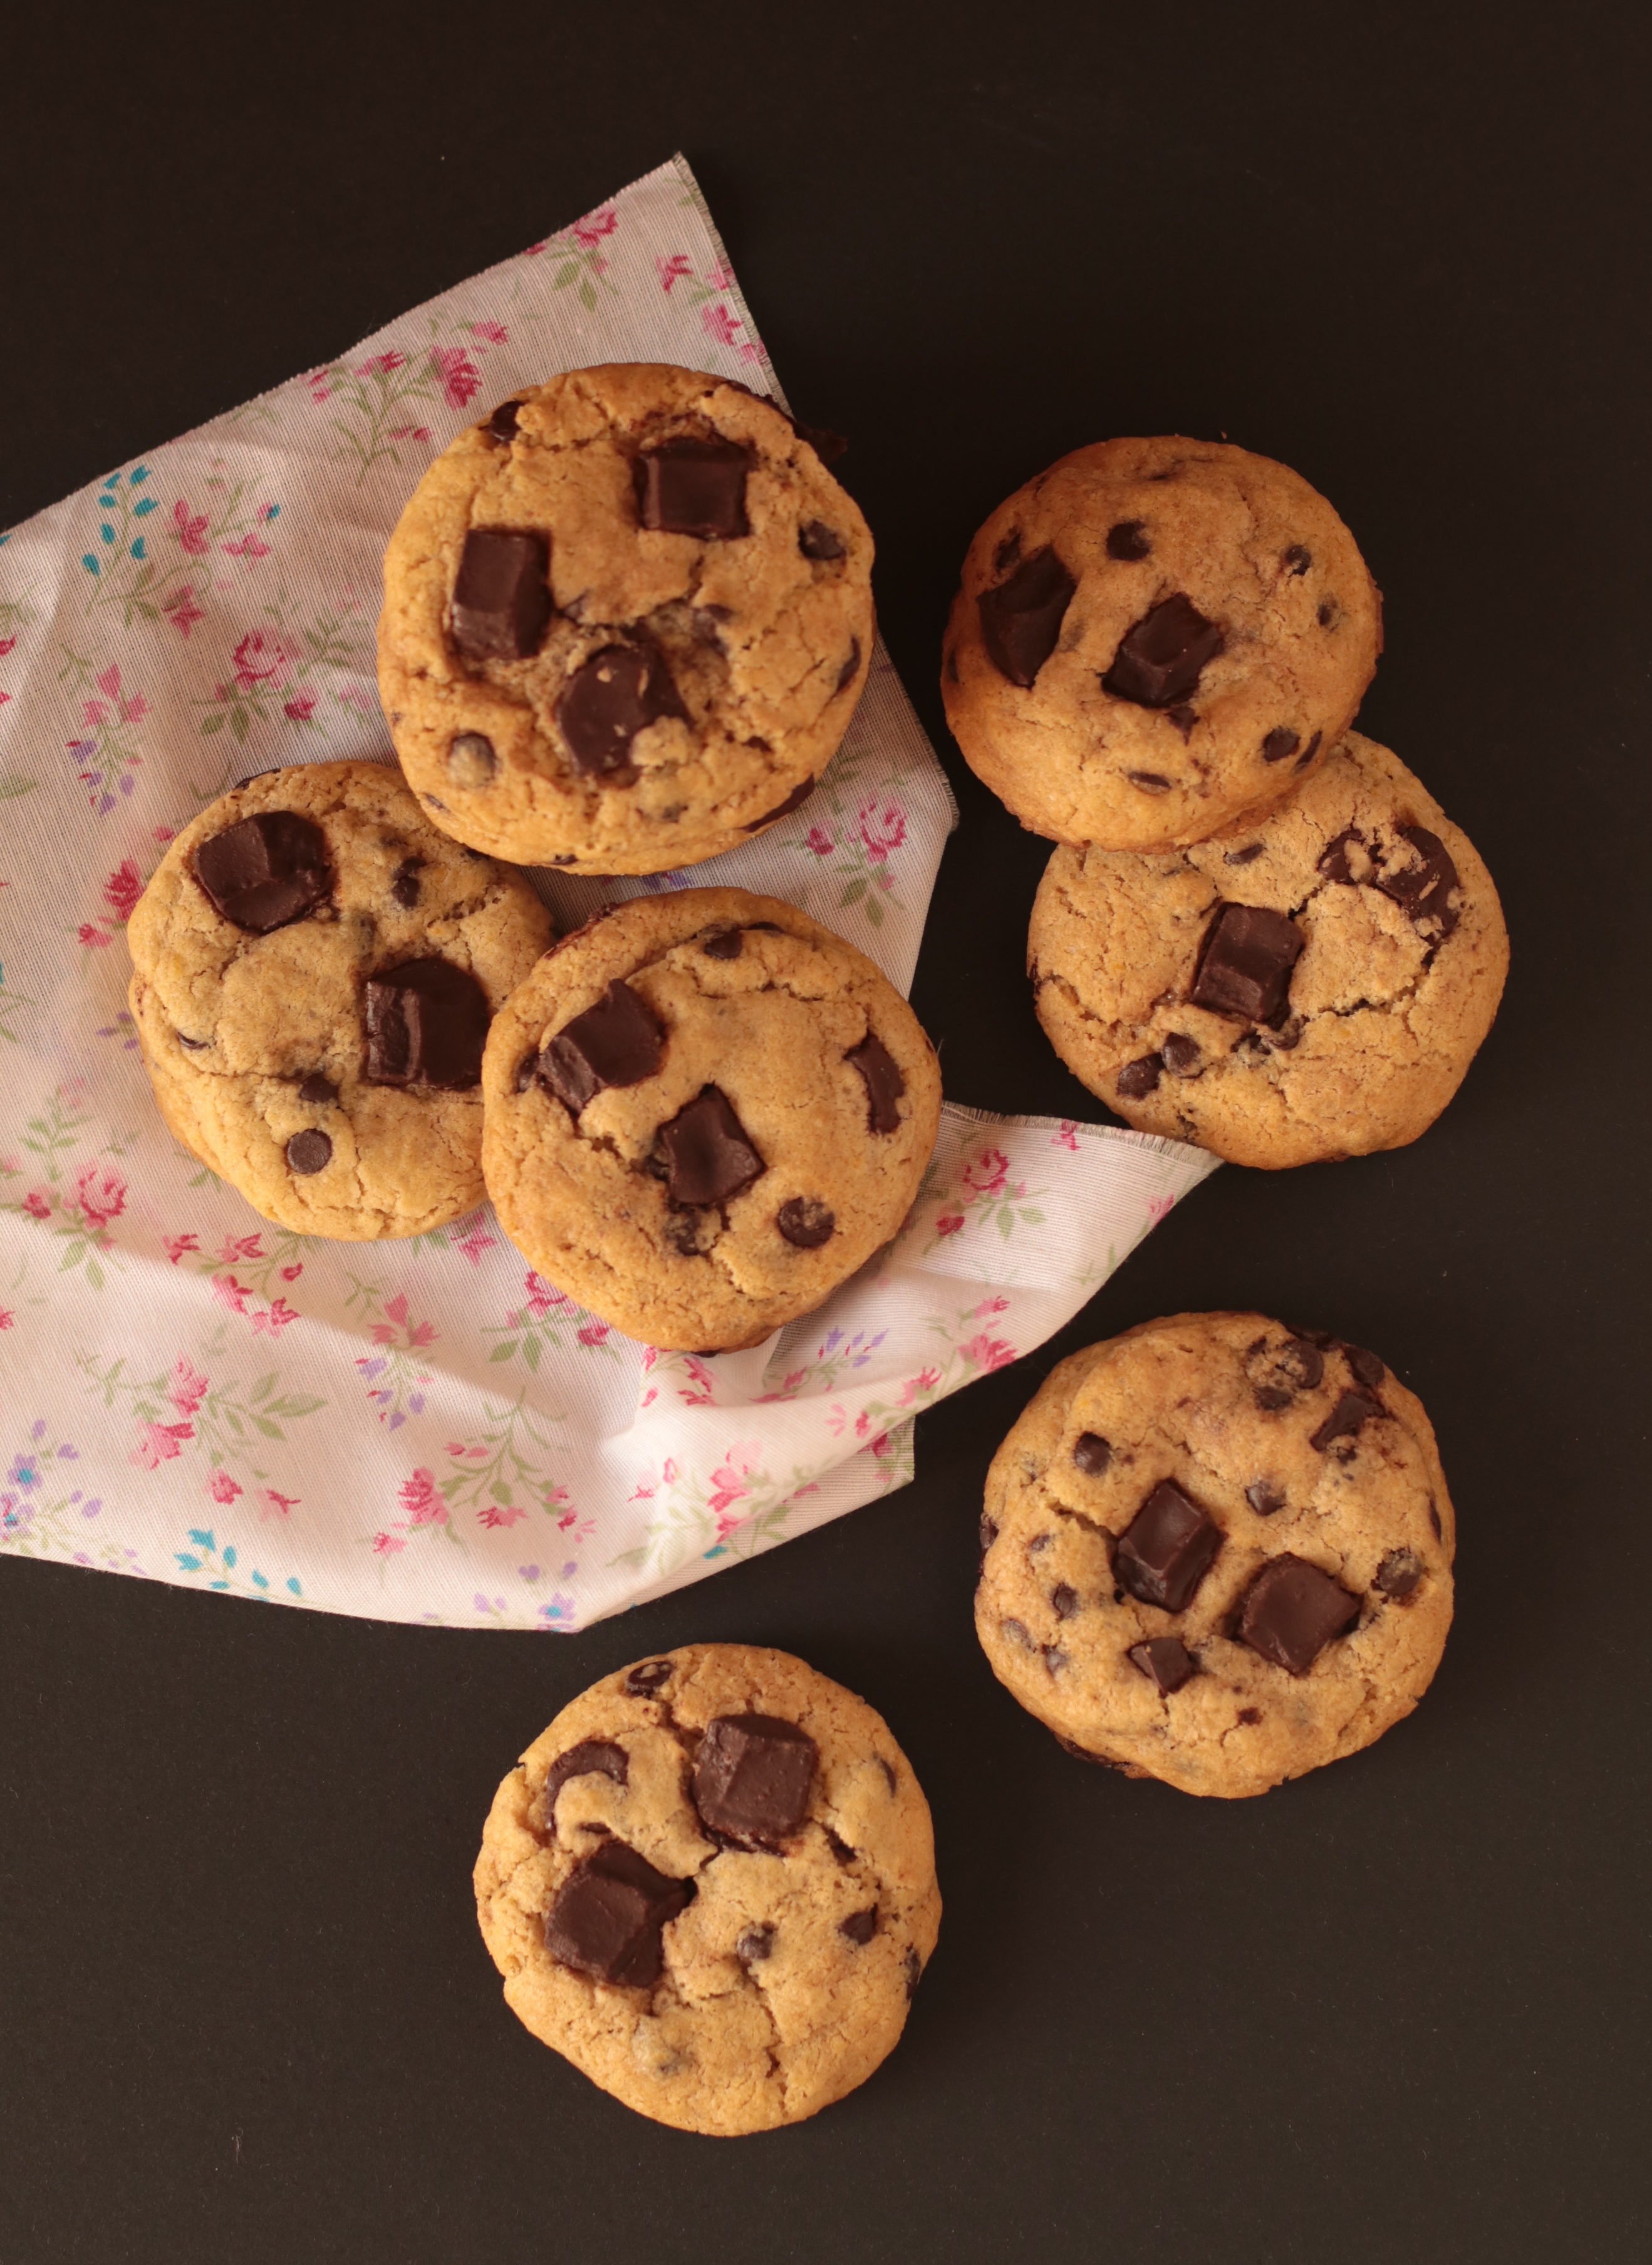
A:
1394	2011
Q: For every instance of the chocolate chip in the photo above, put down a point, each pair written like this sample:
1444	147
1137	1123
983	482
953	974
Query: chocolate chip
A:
1185	719
1021	618
806	1222
1247	856
471	761
1334	861
795	800
1366	1365
1092	1453
1166	1662
1127	540
1326	614
648	1677
692	486
1299	558
265	871
818	542
1280	742
888	1768
1244	967
1309	751
309	1151
691	1233
850	669
1181	1055
1291	1611
608	1915
404	887
501	598
1264	1497
591	1758
1398	1573
884	1081
860	1927
722	944
709	1156
501	426
426	1024
1139	1077
1434	1520
1423	889
754	1945
1064	1598
317	1089
1160	657
1167	1549
989	1532
1352	1410
527	1070
618	1041
1149	782
1250	1714
618	692
1278	1372
1018	1632
840	1848
912	1968
193	1045
752	1776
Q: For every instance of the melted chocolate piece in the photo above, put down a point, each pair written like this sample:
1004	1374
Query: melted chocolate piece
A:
1398	1573
501	597
1161	657
1298	558
1167	1549
850	669
752	1776
1264	1497
1334	859
709	1157
1064	1598
805	1223
404	886
723	943
1352	1410
885	1083
1366	1365
591	1758
618	692
1181	1055
754	1945
816	541
1092	1453
608	1915
1278	1372
1280	742
1184	718
1434	1520
1137	1079
1291	1612
309	1151
1326	614
265	871
502	424
1127	540
692	486
795	800
426	1024
618	1041
1247	856
648	1677
1149	782
193	1045
860	1927
1021	619
471	761
1166	1662
1423	890
1245	965
317	1090
1309	751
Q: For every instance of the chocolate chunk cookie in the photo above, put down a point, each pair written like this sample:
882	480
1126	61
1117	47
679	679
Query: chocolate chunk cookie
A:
1154	637
1217	1551
703	1112
1312	985
710	1884
314	970
626	617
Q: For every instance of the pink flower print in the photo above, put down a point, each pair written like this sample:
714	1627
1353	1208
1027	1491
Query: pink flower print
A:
386	1545
319	390
496	1514
459	375
37	1204
292	1273
222	1487
236	1246
182	611
93	936
719	323
475	1243
1067	1137
160	1443
594	1333
880	1446
542	1298
882	828
989	1174
728	1482
186	1386
988	1307
122	889
492	334
231	1292
7	1318
1160	1207
951	1224
275	1321
190	529
410	431
301	708
421	1501
262	662
382	365
672	270
590	230
925	1380
100	1194
7	644
277	1505
820	841
176	1245
988	1352
249	546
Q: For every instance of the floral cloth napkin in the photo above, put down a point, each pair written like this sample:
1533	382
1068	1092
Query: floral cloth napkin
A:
425	1431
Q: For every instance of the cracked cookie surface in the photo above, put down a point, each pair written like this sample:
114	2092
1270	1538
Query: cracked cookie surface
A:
710	1885
1309	987
313	968
1217	1551
627	618
703	1111
1154	637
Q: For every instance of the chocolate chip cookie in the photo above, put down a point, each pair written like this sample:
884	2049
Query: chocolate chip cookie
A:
1217	1551
314	970
703	1112
626	617
1313	984
1154	637
710	1884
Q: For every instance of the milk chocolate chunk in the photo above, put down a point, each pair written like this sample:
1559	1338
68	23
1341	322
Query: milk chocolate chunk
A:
1422	885
1167	1549
1398	1573
648	1677
1280	742
1127	540
806	1222
1291	1611
861	1925
591	1758
265	871
752	1776
709	1156
1139	1077
618	1041
1245	965
816	541
501	597
1021	618
1160	657
618	692
317	1089
608	1915
308	1152
795	800
1092	1453
885	1083
426	1024
694	486
1352	1410
471	761
1165	1660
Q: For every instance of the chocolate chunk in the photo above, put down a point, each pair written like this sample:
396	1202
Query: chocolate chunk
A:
888	1768
609	1914
1423	889
709	1157
1181	1055
1352	1410
193	1045
806	1222
1244	968
404	887
1326	614
265	871
795	800
1139	1077
1149	782
1160	657
752	1776
1167	1549
850	669
1021	618
1278	1372
860	1927
1184	718
648	1677
1247	856
471	761
501	598
692	486
1298	558
1264	1497
1334	861
1366	1365
1092	1453
1166	1662
619	1041
1064	1598
989	1532
426	1024
913	1967
885	1083
1309	751
591	1758
1398	1573
618	692
317	1090
1250	1714
1127	540
1434	1520
818	542
723	943
1291	1612
754	1945
1280	742
308	1152
841	1849
502	424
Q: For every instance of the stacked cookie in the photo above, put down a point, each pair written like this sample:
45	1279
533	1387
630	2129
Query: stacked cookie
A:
1260	932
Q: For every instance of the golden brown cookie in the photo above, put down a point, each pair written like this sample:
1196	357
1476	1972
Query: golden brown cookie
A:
1217	1551
627	618
710	1884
